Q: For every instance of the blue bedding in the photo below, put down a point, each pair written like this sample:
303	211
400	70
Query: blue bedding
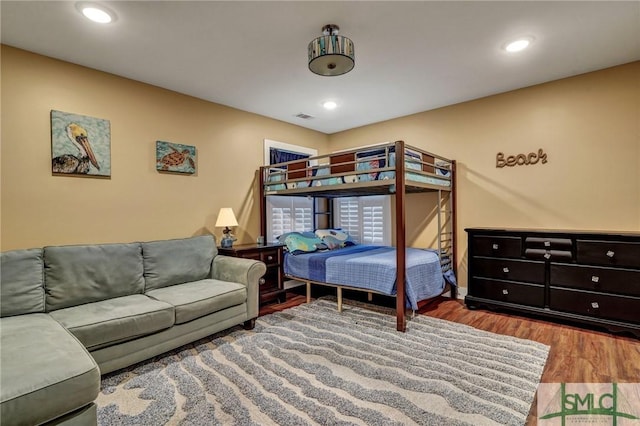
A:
373	268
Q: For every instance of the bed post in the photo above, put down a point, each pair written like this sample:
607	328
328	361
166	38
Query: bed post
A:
401	324
454	227
263	205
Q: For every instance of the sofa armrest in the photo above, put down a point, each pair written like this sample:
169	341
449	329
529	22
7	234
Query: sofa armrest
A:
242	271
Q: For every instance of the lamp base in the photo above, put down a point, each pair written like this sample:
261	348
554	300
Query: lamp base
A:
226	241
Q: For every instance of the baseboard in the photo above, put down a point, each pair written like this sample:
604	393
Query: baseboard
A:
462	292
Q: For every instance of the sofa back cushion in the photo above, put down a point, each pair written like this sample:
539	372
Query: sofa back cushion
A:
82	274
171	262
21	282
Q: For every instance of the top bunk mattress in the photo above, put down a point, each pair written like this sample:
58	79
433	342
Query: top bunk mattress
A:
367	167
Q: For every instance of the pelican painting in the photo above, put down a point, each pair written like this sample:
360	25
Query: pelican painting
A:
80	145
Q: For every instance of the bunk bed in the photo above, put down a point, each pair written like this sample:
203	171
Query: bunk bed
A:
374	170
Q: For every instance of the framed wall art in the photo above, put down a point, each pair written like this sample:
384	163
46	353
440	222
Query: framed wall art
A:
175	157
80	145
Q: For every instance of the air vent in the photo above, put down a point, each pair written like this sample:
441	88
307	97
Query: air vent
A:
304	116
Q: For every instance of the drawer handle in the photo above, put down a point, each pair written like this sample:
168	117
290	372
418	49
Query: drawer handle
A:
595	278
505	270
595	305
547	243
547	255
269	257
495	247
505	291
611	253
262	281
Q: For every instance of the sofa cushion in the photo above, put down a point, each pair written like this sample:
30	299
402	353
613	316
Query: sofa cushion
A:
45	372
21	282
81	274
180	261
99	324
199	298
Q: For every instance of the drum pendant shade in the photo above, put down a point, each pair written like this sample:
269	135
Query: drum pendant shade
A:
331	54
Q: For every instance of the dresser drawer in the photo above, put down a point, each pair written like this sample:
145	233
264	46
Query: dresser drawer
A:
548	243
609	280
542	254
497	246
594	304
508	269
608	253
509	292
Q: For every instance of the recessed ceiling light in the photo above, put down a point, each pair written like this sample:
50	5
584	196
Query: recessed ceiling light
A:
96	13
518	45
329	105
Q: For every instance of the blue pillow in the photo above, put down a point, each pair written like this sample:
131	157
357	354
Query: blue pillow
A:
284	236
298	243
340	235
332	242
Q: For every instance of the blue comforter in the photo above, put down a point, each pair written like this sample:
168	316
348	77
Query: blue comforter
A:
373	268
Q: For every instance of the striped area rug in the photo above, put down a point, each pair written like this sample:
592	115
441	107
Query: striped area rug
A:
312	365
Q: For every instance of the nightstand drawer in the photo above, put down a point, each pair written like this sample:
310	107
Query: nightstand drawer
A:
269	280
497	246
508	269
270	257
609	253
509	292
609	280
597	305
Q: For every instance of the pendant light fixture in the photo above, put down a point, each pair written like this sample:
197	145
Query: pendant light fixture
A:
331	54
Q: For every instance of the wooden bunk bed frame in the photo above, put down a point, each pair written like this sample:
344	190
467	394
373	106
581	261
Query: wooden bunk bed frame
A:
344	163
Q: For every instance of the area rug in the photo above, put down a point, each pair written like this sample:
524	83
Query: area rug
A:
312	365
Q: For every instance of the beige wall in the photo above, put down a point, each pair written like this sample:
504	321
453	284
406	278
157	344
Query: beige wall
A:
137	202
588	125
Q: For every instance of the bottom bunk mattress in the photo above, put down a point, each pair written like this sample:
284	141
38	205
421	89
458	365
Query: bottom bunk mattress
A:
371	268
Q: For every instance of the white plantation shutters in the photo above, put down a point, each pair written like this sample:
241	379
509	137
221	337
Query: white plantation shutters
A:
348	216
287	214
372	224
366	219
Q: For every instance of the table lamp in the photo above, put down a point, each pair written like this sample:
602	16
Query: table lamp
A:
226	218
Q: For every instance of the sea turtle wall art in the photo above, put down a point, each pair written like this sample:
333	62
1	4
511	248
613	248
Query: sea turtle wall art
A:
80	145
175	157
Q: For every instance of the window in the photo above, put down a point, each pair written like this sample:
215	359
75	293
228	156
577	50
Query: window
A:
270	145
287	214
366	219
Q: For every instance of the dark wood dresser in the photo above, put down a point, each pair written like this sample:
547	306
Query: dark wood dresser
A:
585	277
272	283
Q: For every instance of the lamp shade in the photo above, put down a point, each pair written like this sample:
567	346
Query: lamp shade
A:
331	54
226	218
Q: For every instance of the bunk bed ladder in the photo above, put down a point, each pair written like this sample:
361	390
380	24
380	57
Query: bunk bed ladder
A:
445	231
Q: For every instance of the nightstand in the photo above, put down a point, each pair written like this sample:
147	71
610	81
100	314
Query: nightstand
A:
272	283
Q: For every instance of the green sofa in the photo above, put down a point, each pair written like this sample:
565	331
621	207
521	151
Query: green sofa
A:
71	313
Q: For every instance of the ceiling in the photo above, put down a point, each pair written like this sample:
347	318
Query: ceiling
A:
410	56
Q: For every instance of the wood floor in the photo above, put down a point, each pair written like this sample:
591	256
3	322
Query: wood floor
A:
577	355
